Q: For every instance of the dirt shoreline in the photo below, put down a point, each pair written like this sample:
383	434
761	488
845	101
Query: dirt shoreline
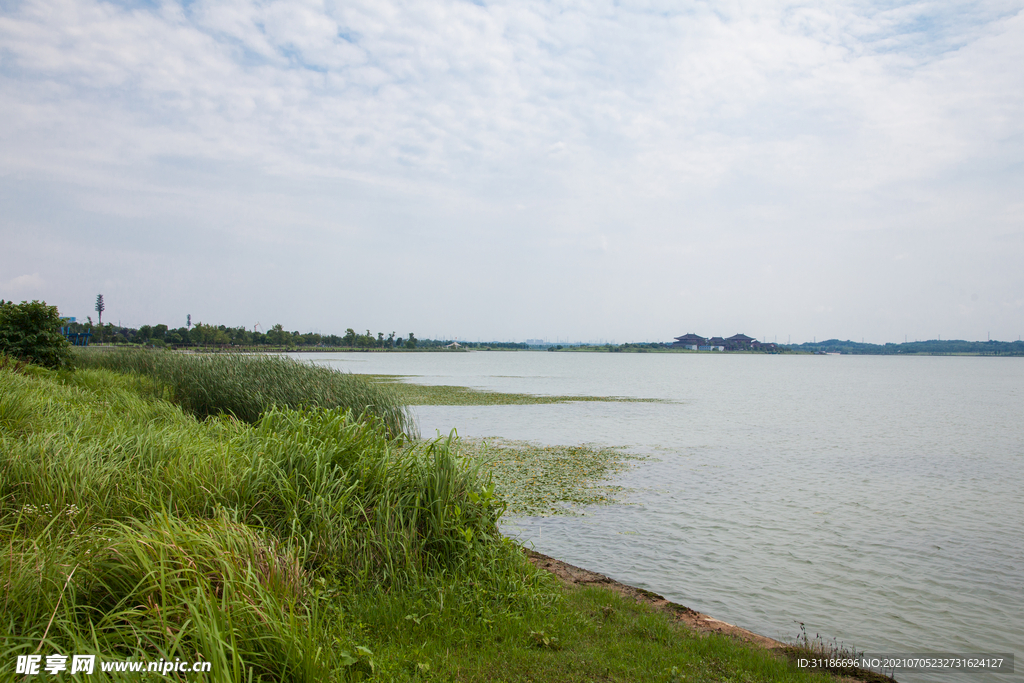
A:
572	575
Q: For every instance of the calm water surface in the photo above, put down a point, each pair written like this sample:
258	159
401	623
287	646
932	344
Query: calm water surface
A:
878	500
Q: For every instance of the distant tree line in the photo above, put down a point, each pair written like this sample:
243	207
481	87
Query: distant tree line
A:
205	335
930	347
635	347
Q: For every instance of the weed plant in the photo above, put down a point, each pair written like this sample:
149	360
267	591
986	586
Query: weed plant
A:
246	385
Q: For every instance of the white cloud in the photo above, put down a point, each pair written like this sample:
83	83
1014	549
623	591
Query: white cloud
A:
678	137
23	283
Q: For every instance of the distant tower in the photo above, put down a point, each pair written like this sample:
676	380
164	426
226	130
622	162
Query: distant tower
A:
100	307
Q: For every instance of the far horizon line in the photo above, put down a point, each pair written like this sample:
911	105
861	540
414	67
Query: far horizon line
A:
763	340
537	341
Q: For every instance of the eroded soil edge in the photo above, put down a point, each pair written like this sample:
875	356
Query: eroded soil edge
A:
701	623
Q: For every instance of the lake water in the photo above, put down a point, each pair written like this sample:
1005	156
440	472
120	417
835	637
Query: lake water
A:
878	500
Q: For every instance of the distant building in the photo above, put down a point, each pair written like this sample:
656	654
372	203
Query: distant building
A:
737	342
689	341
740	341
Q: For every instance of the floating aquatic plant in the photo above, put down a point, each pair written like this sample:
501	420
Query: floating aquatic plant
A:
549	480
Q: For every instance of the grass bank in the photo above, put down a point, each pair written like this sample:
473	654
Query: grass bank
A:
305	545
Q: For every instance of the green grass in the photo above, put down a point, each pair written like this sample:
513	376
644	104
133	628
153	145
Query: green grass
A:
443	395
584	634
306	546
246	385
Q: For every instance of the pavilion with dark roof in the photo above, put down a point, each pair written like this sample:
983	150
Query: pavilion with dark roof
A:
696	342
740	341
689	341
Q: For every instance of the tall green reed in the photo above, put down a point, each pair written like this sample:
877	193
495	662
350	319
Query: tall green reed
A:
246	385
339	485
165	588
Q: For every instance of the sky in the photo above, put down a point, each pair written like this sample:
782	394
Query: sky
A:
627	171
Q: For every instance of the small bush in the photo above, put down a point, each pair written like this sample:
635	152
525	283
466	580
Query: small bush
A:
31	332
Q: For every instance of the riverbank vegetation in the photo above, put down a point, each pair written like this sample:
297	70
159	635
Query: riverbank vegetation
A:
245	386
313	543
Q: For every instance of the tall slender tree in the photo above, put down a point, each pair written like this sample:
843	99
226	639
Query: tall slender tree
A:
100	307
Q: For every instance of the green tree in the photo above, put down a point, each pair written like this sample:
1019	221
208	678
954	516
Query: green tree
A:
31	332
208	335
276	336
240	335
411	342
100	307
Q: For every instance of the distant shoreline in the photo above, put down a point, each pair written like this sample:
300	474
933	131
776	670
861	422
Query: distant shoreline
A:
831	347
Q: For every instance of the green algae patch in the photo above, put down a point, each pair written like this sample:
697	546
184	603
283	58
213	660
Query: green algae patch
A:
429	395
538	480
